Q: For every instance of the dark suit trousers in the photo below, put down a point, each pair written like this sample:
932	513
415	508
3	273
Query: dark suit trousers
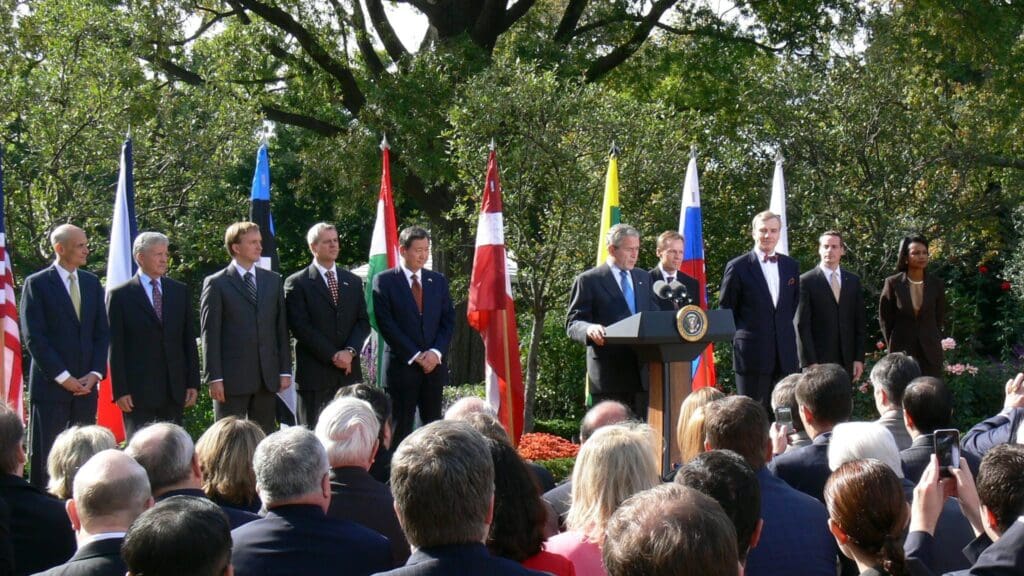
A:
311	403
415	390
49	419
260	407
140	417
759	387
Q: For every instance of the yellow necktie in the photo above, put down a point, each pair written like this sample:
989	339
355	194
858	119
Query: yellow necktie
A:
835	285
76	296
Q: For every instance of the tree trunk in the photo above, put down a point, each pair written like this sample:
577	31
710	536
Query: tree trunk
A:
536	333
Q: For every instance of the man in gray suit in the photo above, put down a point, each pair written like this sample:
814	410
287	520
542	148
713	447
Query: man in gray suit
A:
246	351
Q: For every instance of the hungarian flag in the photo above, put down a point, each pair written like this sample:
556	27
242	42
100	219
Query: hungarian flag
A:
120	269
690	226
12	377
610	212
383	246
492	311
778	204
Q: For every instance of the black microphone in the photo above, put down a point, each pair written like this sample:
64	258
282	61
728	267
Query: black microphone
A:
662	290
679	292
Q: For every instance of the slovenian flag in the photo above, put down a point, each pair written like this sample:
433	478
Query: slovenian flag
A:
690	226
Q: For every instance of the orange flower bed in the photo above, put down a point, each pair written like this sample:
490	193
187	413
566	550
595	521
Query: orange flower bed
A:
542	446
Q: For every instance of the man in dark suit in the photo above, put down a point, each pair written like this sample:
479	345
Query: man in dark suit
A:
349	430
180	535
601	296
1007	427
40	531
670	257
297	536
442	477
64	327
246	349
166	452
927	407
154	363
110	492
825	399
794	535
415	316
327	315
762	289
830	317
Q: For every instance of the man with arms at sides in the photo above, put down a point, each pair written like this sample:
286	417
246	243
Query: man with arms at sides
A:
64	326
297	536
415	316
246	350
927	407
442	477
41	534
110	492
890	377
762	289
168	455
154	363
327	316
602	296
349	430
794	535
830	317
178	536
670	258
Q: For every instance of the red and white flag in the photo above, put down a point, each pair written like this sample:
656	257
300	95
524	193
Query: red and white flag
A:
12	377
492	311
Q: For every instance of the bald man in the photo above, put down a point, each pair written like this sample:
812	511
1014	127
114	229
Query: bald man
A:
111	490
64	326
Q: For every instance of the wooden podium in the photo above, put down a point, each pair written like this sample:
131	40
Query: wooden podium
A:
656	340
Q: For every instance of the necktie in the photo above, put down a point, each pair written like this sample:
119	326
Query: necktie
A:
332	285
771	259
417	292
835	285
76	295
158	299
627	291
250	287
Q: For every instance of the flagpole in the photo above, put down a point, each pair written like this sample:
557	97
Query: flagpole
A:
508	377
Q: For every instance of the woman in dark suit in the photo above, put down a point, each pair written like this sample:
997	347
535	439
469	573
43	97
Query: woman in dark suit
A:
912	308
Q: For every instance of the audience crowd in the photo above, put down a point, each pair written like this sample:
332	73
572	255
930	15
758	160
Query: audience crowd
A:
818	496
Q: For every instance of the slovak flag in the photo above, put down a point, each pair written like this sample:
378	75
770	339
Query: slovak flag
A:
690	226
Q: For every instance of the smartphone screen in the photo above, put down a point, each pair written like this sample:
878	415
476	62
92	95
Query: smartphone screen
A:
947	448
784	416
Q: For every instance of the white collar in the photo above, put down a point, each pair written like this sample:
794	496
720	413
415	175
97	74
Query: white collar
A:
145	279
761	255
64	272
324	271
242	271
828	271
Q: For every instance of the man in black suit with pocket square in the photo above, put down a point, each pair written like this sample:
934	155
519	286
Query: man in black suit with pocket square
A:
327	315
154	362
601	296
670	258
64	326
247	352
830	317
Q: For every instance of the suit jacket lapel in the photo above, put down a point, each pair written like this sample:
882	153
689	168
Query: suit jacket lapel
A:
406	288
762	282
65	298
138	291
235	279
321	287
611	285
638	285
903	286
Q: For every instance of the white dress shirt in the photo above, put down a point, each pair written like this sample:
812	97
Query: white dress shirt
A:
771	274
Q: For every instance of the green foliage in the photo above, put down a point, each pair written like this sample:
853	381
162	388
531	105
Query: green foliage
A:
200	416
560	468
561	427
561	376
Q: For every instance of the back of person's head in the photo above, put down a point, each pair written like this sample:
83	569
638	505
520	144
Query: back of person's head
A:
166	451
826	392
690	430
110	491
1001	484
290	464
225	454
180	535
488	426
603	413
517	530
468	405
12	433
784	396
615	463
381	402
860	440
670	530
867	509
725	476
928	404
348	429
72	448
740	424
892	374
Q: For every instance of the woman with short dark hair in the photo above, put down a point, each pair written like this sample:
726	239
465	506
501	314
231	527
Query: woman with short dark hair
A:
912	308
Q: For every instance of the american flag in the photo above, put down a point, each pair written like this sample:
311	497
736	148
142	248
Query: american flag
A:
11	379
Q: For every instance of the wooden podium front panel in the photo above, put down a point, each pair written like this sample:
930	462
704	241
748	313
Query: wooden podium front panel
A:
660	413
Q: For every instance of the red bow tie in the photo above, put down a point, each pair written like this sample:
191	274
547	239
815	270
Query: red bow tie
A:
772	259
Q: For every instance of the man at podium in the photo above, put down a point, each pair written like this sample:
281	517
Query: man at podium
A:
601	296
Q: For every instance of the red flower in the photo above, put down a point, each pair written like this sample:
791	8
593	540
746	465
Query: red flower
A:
880	345
1005	286
541	446
983	269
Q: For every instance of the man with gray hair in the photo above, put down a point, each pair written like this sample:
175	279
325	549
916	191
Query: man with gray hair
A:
889	378
443	480
327	315
168	455
613	290
297	536
154	362
349	431
110	491
64	327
